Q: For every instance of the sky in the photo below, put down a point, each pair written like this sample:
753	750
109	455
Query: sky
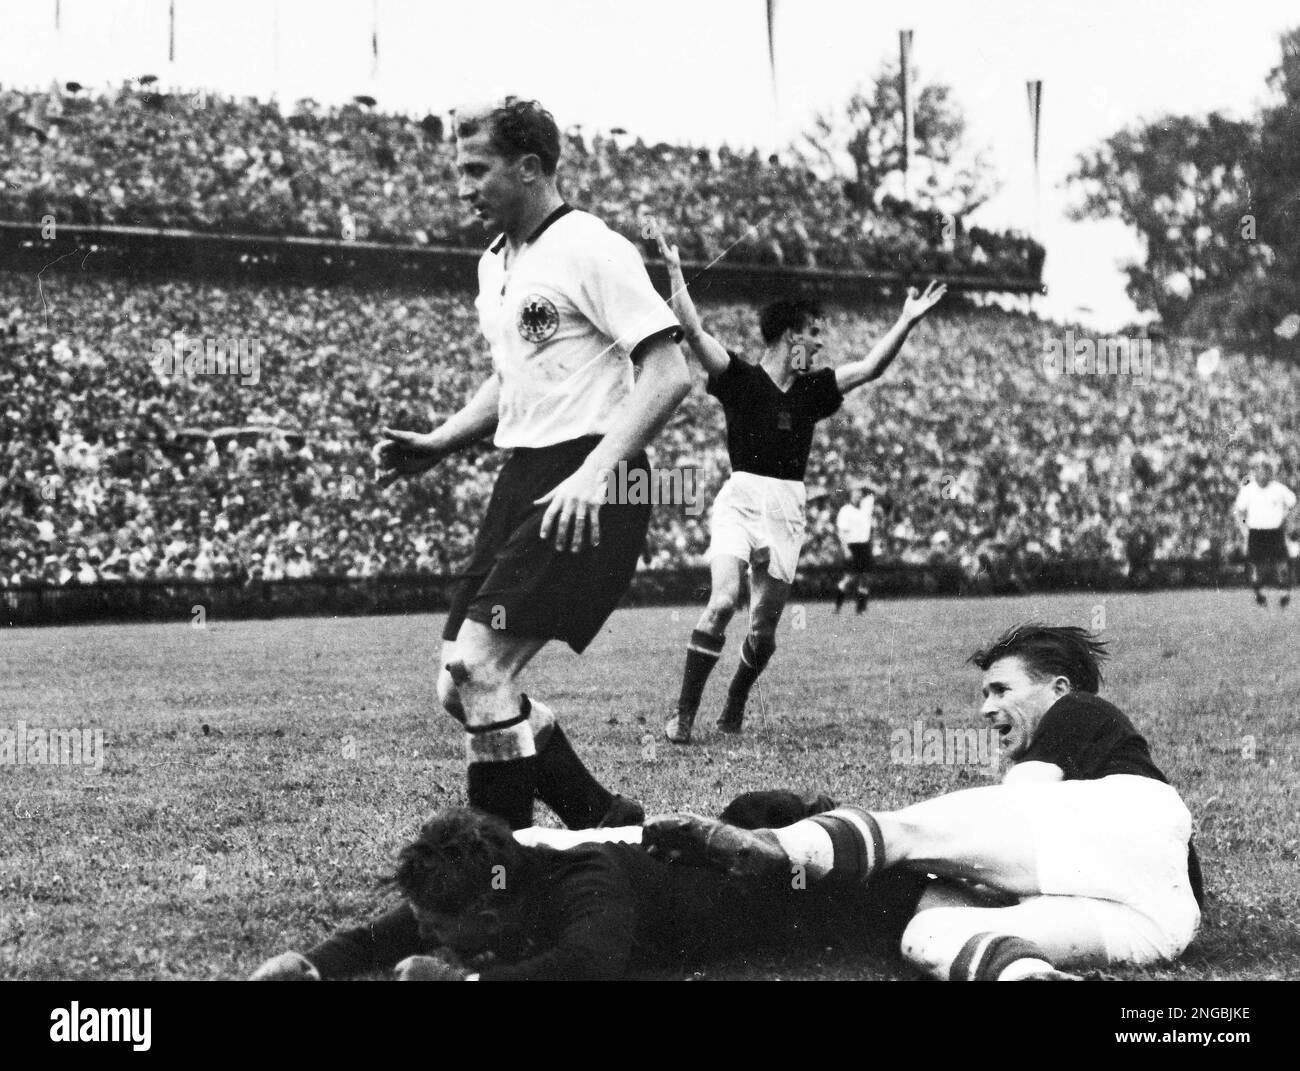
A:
697	71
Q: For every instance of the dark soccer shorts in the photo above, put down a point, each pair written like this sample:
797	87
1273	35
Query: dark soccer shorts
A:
1266	546
860	557
519	582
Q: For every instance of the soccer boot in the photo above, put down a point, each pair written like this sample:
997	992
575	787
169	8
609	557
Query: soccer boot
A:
705	842
622	812
733	716
678	728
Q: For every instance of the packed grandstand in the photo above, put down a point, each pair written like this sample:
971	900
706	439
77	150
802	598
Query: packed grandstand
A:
115	468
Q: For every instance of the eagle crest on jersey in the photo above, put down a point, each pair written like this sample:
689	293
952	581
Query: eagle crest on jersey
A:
538	319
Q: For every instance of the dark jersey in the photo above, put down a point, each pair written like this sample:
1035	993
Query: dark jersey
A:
1089	738
602	910
769	431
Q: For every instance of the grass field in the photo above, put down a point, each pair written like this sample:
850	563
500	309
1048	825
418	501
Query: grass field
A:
259	775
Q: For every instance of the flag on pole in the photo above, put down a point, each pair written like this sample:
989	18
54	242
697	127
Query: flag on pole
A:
374	39
171	31
771	42
1035	89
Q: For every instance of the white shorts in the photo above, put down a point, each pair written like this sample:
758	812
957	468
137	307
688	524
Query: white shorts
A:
1111	860
760	520
1121	840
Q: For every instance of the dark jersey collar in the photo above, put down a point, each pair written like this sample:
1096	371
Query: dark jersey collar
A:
559	213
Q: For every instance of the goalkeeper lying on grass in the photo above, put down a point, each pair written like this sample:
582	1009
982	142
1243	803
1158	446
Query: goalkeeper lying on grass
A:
483	903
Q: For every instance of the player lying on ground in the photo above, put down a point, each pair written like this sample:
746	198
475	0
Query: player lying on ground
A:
758	518
1084	841
1262	506
481	902
569	312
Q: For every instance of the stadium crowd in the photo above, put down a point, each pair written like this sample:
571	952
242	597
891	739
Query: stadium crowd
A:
198	161
115	466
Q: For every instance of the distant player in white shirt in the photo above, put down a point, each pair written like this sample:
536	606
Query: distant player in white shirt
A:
853	524
569	312
1262	506
758	521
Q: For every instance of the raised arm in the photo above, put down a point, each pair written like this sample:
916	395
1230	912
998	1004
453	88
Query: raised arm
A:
409	453
706	349
915	308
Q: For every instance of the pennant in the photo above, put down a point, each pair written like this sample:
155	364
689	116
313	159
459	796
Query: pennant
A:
374	39
1035	90
771	43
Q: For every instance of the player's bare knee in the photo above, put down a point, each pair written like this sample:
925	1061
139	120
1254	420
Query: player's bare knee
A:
483	687
449	695
723	602
717	615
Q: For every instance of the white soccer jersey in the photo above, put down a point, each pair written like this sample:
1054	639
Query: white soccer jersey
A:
1264	507
564	323
854	524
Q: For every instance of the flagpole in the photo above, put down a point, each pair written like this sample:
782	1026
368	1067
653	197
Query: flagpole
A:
1034	88
771	66
374	46
275	50
909	116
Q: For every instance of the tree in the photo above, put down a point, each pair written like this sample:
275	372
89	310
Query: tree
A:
865	145
1183	183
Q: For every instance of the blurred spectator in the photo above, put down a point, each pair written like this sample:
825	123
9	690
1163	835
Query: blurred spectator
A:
108	471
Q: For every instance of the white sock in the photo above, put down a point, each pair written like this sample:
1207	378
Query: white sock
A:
808	845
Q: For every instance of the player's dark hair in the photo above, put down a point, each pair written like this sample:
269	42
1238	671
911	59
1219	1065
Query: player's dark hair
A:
778	317
461	856
1050	651
518	127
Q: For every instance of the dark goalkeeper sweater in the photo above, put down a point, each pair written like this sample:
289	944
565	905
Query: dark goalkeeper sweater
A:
600	911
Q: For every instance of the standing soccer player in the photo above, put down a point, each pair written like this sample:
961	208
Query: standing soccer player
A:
1262	506
569	312
853	523
758	517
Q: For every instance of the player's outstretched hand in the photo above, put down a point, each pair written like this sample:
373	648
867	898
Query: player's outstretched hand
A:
574	503
286	967
669	252
918	305
404	453
434	968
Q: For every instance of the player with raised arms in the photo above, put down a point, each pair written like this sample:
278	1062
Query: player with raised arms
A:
758	518
1082	856
569	313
